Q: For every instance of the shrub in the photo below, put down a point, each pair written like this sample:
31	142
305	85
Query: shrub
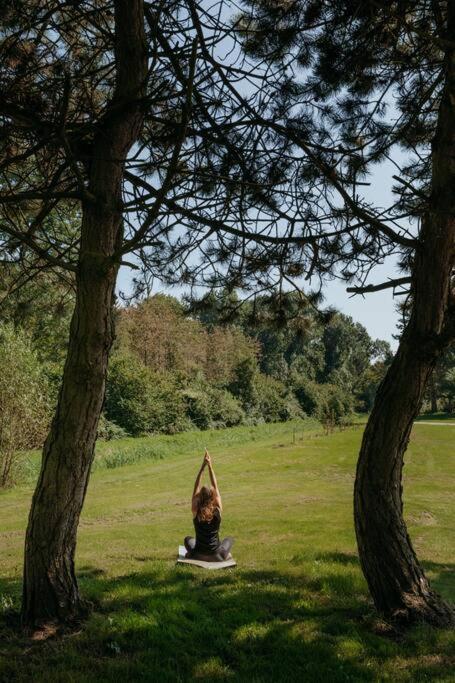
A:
140	401
243	386
308	394
127	394
166	405
263	398
335	404
227	409
274	403
108	430
326	402
24	413
208	407
199	406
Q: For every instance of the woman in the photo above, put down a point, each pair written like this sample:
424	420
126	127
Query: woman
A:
206	509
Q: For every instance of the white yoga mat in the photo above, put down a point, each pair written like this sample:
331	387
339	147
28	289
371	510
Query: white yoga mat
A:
200	563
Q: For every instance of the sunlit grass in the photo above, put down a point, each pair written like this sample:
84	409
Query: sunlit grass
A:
295	608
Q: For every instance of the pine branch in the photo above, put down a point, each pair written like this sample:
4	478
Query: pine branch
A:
397	282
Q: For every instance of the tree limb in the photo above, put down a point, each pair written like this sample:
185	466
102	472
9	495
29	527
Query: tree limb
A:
377	288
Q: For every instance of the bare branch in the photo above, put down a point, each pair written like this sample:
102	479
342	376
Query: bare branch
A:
398	282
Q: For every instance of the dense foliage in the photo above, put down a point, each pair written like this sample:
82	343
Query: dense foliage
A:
206	366
23	400
213	364
176	367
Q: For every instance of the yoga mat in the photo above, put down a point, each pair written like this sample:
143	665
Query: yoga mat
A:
181	559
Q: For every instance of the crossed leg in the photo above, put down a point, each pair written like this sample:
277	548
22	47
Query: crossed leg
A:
221	554
190	544
225	547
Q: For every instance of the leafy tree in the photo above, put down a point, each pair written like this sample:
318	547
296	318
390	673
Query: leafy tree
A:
139	400
165	338
347	85
303	348
348	350
43	307
23	400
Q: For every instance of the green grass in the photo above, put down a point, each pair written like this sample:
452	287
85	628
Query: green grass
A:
120	452
296	607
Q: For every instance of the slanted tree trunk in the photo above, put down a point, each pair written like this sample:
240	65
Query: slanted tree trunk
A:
50	591
395	578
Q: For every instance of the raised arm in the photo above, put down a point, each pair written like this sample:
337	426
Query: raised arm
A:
213	480
197	483
197	487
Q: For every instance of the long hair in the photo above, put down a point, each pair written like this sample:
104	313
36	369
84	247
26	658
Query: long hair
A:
206	504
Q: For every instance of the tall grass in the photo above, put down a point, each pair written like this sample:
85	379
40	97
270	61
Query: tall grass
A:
130	450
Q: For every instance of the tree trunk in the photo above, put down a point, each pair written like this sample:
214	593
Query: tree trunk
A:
50	591
395	578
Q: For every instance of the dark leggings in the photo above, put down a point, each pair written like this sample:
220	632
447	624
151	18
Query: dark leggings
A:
221	554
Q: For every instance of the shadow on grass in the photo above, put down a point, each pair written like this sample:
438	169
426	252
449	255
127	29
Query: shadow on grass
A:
179	624
442	575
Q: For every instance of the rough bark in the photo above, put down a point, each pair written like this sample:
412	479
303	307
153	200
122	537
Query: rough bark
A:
50	590
396	579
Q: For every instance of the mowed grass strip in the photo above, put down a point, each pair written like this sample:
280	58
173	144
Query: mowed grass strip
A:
295	608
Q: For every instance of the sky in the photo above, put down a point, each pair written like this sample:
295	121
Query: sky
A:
375	311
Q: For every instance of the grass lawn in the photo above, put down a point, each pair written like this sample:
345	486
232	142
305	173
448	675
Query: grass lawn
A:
296	607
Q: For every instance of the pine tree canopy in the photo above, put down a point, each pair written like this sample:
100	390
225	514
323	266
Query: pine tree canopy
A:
263	125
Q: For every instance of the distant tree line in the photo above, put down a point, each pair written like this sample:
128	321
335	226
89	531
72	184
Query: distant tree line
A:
217	363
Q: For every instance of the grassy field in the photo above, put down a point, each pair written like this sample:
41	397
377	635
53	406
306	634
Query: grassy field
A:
295	608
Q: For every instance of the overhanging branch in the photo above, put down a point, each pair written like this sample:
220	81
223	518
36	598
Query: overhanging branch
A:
397	282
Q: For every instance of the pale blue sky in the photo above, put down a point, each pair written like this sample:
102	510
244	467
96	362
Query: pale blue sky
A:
377	311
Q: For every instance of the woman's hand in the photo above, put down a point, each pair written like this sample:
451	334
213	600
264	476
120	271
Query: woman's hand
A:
208	461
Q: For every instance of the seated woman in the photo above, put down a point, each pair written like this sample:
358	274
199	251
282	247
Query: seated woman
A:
206	508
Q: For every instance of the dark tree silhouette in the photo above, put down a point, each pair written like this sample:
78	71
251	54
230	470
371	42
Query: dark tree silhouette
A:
100	111
231	152
338	88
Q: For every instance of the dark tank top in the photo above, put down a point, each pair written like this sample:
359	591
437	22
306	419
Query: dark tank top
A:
207	539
